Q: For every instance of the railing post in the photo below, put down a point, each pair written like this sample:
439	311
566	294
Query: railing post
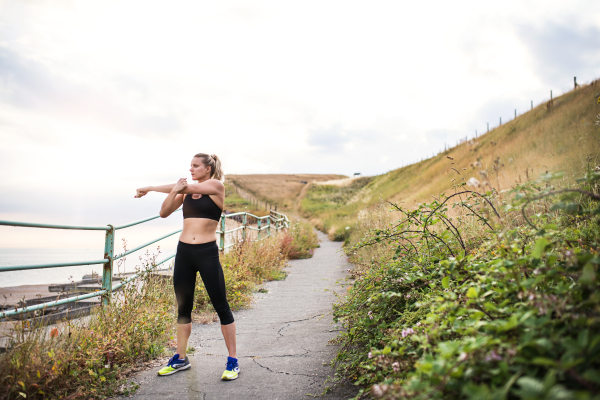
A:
245	226
107	273
259	220
222	238
269	226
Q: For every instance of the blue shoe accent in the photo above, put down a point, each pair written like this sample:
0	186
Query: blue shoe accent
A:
231	363
232	369
175	360
175	364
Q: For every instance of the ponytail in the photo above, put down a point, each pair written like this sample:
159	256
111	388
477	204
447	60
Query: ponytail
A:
212	161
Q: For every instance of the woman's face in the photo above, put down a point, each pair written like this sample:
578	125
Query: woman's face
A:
199	171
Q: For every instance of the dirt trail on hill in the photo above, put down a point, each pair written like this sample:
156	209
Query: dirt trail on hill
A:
300	197
282	341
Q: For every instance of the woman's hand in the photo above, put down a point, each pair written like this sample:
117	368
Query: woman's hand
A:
180	185
142	191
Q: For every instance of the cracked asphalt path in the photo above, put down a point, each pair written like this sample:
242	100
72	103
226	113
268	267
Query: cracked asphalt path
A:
282	341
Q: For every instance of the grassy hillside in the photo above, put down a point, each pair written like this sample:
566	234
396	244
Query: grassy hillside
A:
559	138
281	189
234	203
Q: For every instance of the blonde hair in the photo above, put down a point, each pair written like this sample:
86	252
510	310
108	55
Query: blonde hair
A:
212	161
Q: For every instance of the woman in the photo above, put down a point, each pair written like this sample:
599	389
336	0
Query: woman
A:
197	251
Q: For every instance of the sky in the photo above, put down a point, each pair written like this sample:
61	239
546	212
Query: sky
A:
98	98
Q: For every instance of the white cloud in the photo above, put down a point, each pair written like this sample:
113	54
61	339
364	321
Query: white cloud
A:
98	98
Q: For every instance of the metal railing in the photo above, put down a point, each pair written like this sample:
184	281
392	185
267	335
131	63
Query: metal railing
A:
280	221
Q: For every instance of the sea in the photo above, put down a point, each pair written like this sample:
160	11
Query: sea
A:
42	276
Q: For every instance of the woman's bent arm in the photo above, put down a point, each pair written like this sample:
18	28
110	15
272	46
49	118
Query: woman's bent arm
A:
173	201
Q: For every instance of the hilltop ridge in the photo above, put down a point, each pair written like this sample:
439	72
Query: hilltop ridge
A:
554	136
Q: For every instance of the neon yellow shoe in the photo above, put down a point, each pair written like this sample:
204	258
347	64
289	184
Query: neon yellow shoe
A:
231	370
175	365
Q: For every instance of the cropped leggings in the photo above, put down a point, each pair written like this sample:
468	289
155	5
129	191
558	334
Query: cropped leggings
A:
203	258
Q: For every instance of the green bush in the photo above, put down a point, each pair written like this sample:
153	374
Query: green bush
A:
300	240
473	306
342	234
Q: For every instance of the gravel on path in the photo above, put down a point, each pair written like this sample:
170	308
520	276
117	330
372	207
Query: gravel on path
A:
282	341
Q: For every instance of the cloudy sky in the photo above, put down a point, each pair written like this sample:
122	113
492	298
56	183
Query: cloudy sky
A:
100	97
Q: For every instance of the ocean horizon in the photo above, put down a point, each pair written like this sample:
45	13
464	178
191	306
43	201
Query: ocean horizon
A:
31	256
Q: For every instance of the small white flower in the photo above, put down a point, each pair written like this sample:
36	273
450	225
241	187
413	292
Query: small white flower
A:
376	390
473	182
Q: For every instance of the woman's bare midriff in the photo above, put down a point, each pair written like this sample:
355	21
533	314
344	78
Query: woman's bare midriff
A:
198	230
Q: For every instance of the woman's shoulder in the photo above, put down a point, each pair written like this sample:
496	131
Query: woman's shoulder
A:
216	182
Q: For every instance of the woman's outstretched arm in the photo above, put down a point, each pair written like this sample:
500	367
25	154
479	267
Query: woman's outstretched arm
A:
162	189
211	186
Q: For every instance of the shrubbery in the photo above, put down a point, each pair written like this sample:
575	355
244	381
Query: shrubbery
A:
300	240
472	306
91	358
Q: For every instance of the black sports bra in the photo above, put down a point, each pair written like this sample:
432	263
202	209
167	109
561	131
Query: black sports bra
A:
204	207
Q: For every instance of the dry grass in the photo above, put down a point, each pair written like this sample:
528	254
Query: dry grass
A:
280	189
91	357
339	182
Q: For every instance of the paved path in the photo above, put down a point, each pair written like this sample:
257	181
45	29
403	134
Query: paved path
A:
282	341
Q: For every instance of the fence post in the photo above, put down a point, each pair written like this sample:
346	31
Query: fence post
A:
269	226
222	238
258	222
107	272
245	226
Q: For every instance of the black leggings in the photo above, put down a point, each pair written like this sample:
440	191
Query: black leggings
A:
203	258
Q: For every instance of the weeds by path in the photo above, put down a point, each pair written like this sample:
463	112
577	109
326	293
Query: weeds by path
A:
92	357
478	305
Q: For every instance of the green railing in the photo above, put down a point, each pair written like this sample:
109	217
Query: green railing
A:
280	221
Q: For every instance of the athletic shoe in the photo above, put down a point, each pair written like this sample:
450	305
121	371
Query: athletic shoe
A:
231	370
175	365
